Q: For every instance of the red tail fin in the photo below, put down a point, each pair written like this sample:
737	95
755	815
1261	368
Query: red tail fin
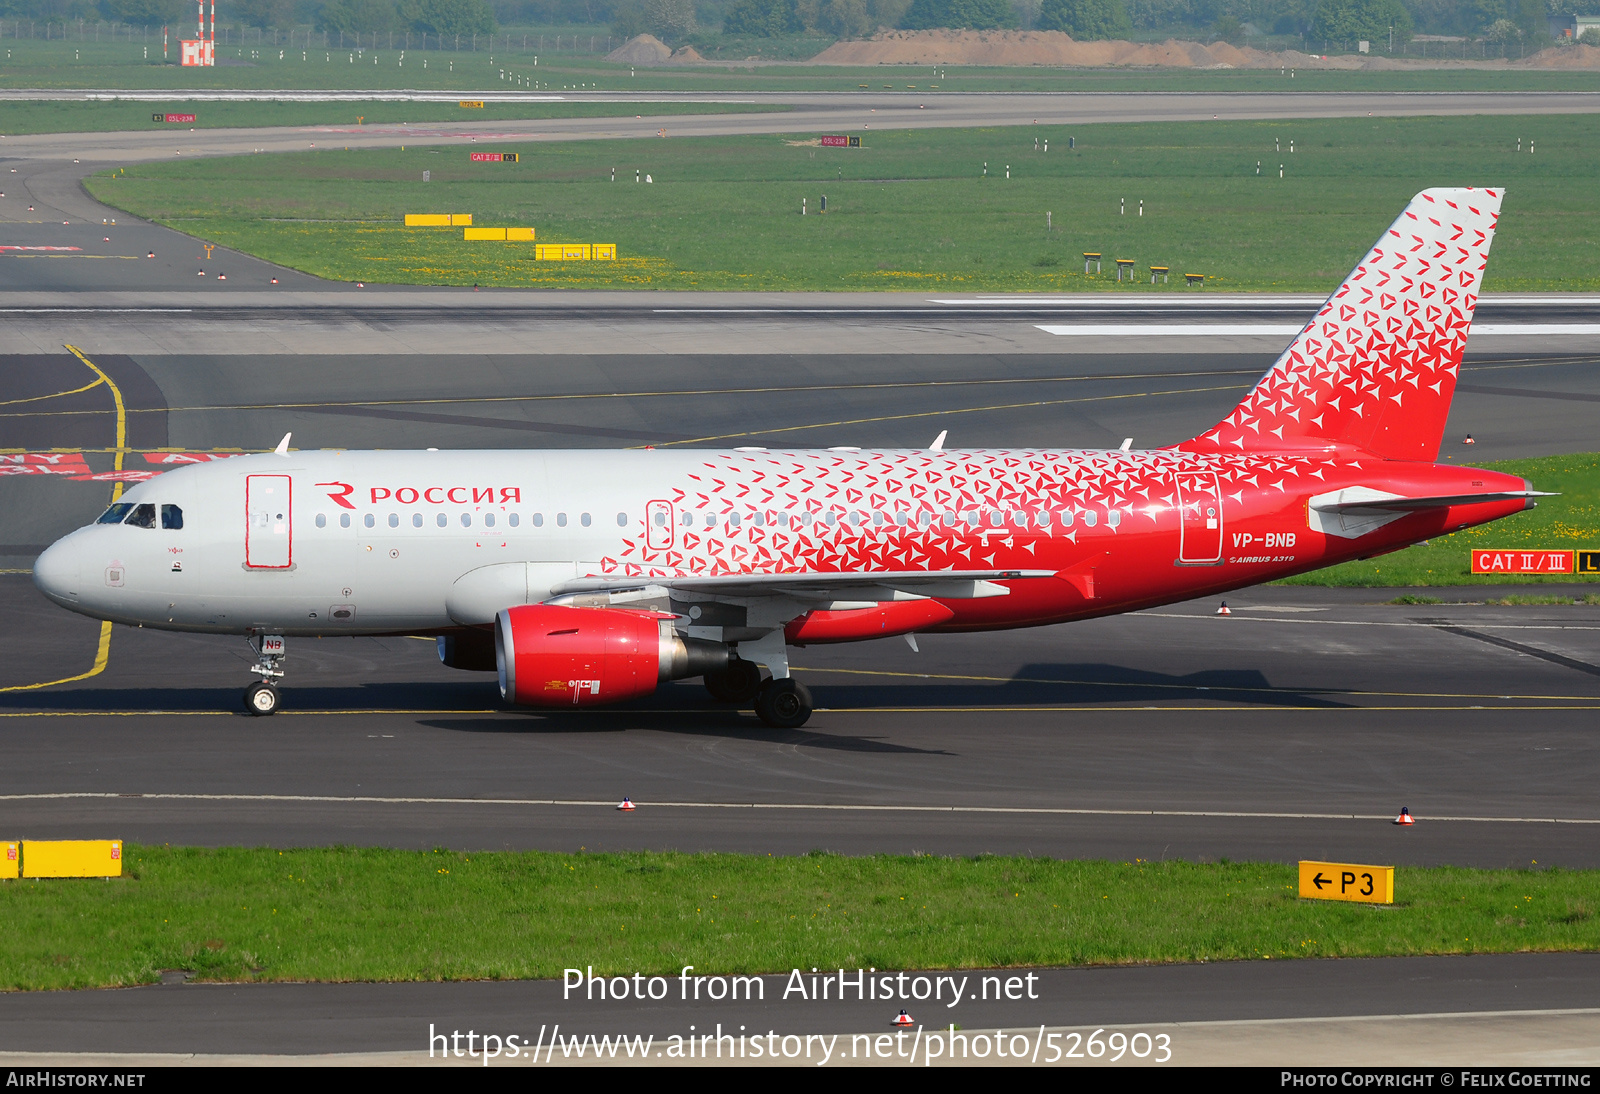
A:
1376	369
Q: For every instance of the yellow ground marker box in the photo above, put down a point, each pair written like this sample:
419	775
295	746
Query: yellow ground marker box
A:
72	858
1347	881
460	220
519	235
10	860
427	220
484	233
472	104
563	252
605	251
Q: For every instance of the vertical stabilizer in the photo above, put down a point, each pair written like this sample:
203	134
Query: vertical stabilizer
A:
1376	369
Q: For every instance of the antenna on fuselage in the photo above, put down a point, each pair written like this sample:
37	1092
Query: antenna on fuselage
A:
283	445
938	442
1127	443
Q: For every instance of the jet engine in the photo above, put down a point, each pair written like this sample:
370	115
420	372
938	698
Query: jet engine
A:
555	656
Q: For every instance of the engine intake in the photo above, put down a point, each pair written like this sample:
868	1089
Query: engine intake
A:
549	655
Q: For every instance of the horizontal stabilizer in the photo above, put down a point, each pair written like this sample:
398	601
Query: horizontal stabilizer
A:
1356	510
1440	501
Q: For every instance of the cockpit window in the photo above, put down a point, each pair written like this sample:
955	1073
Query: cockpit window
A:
143	516
115	514
171	517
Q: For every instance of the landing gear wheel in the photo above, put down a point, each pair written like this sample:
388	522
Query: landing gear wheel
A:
261	698
738	683
784	704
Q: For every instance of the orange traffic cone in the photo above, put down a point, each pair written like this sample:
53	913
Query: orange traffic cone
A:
1404	817
903	1019
1469	440
1224	610
626	806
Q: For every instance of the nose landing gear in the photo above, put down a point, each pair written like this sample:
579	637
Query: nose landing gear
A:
261	698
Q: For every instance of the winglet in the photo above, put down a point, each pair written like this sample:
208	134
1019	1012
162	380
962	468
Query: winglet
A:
938	442
283	445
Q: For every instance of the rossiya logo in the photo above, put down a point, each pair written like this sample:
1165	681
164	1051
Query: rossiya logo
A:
339	493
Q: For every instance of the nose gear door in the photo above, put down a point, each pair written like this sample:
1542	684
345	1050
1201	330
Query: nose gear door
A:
1200	529
269	522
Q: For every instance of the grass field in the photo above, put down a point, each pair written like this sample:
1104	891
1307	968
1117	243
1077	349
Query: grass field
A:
910	210
91	117
34	63
1568	522
361	914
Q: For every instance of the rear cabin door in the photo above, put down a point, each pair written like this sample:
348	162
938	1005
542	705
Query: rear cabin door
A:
1200	532
269	522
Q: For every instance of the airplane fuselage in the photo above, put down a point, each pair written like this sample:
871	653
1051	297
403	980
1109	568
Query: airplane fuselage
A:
347	543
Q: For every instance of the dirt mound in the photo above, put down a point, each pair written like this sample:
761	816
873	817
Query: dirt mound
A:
1573	56
1025	47
646	49
688	55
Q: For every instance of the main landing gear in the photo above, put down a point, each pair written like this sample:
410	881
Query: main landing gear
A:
261	698
780	703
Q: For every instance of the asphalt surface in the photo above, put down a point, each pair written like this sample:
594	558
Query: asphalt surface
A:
306	1019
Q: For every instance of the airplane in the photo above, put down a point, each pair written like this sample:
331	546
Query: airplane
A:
587	577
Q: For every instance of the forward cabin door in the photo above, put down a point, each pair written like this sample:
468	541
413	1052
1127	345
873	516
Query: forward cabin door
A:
269	522
1200	531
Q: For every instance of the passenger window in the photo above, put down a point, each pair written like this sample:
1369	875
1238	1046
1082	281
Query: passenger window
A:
996	518
924	518
1042	518
733	520
322	520
584	520
782	520
622	520
344	520
538	520
1091	518
513	520
1114	517
416	520
711	520
972	518
949	519
561	520
660	519
394	520
466	520
1066	518
902	519
833	518
440	519
688	520
143	516
115	514
172	518
758	519
877	518
488	520
1020	519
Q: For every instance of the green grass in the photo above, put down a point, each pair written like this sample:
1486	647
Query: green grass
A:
1568	522
347	914
35	63
89	117
910	211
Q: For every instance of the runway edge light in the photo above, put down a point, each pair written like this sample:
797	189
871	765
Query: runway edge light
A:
903	1019
1405	816
626	806
1347	881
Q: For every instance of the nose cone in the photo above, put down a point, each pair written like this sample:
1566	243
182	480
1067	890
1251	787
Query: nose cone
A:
58	573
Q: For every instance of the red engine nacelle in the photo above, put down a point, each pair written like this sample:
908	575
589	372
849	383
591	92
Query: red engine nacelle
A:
550	656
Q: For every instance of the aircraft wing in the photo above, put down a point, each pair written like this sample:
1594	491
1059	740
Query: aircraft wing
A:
855	586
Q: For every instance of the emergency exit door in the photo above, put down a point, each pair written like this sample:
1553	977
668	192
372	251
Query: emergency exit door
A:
269	522
1200	529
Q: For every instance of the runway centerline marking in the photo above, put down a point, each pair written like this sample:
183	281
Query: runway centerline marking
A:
373	799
